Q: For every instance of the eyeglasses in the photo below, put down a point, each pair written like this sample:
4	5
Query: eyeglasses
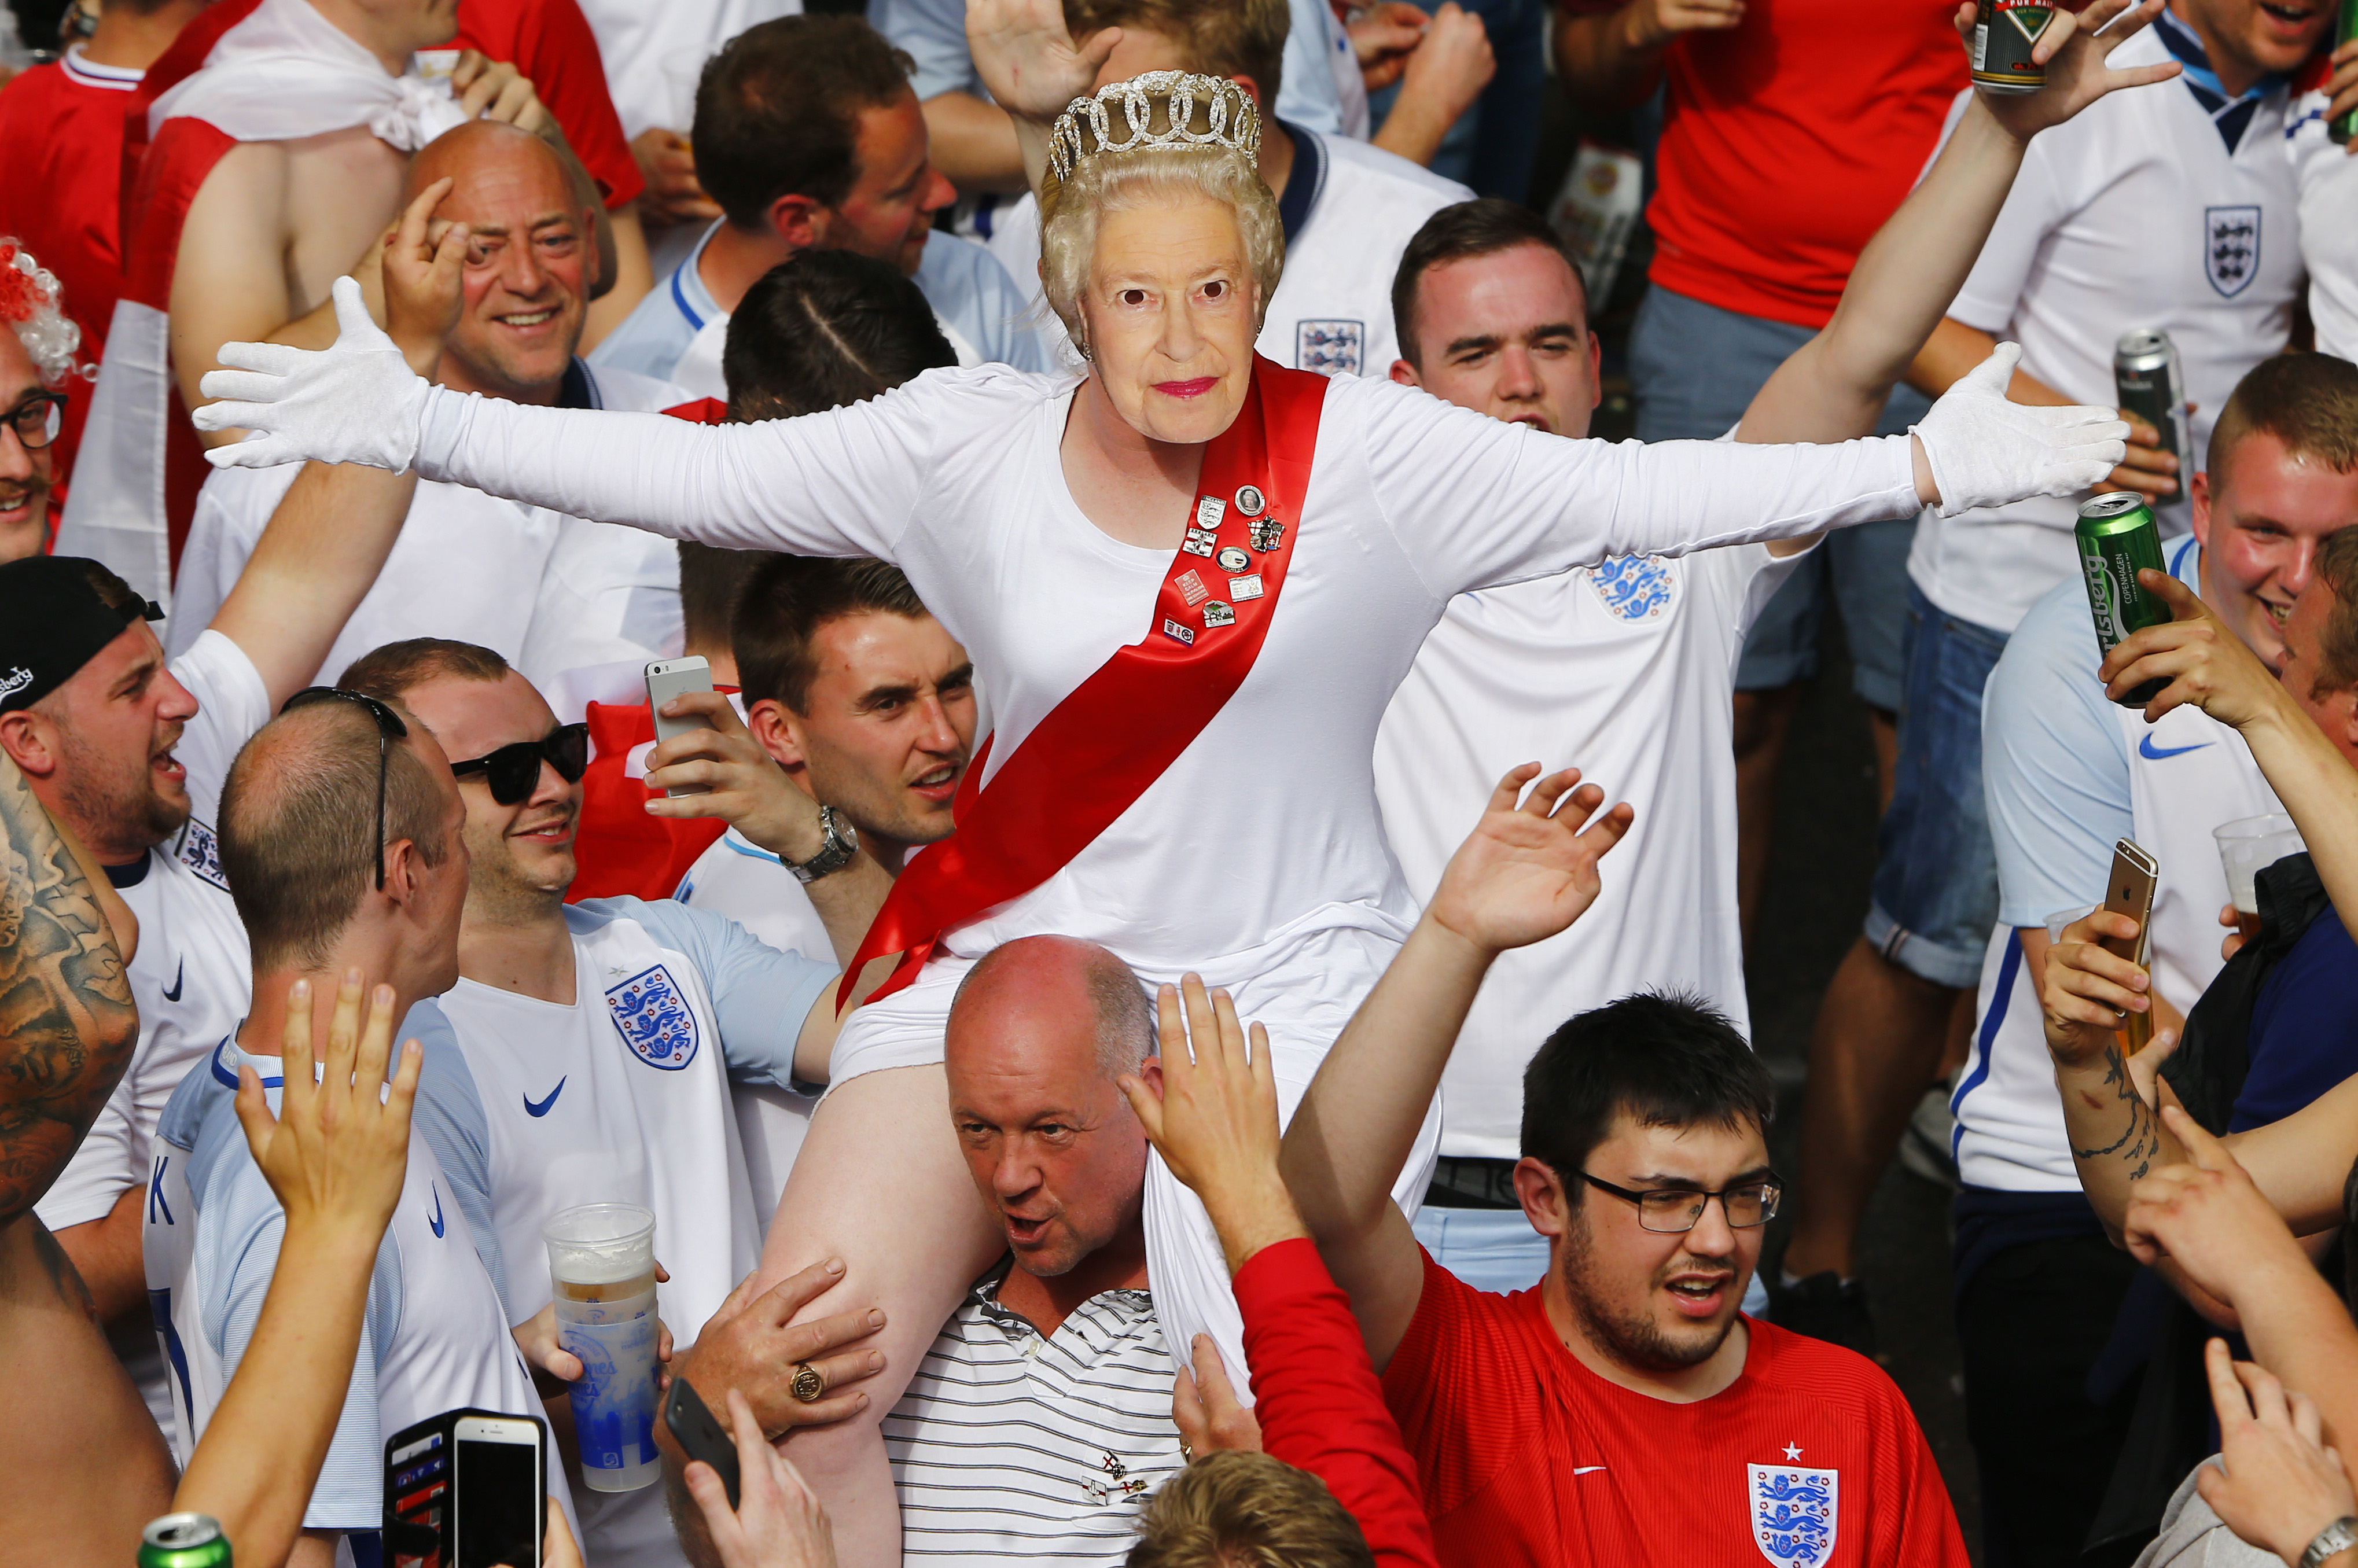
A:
513	770
1676	1210
37	419
389	729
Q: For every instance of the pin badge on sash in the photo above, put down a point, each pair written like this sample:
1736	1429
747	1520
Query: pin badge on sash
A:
1209	510
1218	614
1177	633
1244	588
1191	589
1250	500
1266	533
1200	541
1234	559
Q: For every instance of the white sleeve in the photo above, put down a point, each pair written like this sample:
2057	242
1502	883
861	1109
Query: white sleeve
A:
1477	504
843	483
232	704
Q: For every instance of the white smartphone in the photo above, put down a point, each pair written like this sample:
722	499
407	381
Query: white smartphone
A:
499	1490
667	678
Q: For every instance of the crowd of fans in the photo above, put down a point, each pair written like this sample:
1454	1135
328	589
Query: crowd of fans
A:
1119	1072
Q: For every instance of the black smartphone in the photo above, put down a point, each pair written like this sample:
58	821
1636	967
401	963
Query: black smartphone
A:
467	1488
701	1433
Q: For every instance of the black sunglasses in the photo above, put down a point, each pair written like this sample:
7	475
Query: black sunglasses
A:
513	770
36	419
389	729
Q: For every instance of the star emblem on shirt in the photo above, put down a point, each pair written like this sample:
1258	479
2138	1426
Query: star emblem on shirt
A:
1793	1452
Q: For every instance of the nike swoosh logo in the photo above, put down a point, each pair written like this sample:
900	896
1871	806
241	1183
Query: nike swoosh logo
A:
1586	1469
2153	753
178	975
533	1108
437	1221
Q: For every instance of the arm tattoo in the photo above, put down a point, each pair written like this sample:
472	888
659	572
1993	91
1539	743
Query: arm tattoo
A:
2141	1139
66	1020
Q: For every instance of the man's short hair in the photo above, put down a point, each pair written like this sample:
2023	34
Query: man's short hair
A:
1125	1019
823	329
777	112
2337	645
298	825
390	673
1461	232
1247	1511
785	602
710	582
1233	37
1665	1059
2307	401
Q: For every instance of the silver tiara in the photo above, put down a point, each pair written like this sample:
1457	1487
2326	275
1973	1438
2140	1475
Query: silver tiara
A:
1230	118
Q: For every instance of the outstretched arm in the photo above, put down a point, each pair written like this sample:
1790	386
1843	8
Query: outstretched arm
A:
1526	873
66	1020
1833	387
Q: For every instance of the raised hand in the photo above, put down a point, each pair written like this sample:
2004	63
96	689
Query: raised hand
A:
1980	449
425	279
739	782
356	402
752	1345
1528	870
2277	1484
2087	989
2208	1218
777	1522
2076	51
1026	56
2204	663
336	1153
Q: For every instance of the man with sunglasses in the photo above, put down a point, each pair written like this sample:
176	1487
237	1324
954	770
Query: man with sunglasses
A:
601	1038
129	749
1623	1410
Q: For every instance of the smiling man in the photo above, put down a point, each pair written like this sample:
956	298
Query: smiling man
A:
35	357
1041	1419
467	565
2067	772
1623	1409
602	1036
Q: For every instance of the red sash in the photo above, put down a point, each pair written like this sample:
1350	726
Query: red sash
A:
1119	731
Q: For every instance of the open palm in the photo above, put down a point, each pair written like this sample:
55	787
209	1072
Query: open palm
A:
1026	56
1528	871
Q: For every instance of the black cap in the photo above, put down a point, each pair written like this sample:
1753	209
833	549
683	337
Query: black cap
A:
56	613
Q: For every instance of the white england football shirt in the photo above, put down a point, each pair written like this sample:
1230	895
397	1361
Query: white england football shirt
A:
653	53
2327	178
466	565
1625	670
2137	213
739	878
1349	210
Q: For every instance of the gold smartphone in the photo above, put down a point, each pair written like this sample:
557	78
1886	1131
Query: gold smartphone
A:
2129	890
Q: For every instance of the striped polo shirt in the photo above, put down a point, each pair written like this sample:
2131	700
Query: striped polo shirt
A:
1009	1445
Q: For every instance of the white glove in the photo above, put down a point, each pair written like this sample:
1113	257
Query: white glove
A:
356	402
1986	451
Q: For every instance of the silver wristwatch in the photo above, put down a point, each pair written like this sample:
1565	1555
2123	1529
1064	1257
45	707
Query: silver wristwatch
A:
2339	1536
841	841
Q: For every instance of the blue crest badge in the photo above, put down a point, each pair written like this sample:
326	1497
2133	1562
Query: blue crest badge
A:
1330	348
1635	587
1793	1515
655	1019
200	852
2231	247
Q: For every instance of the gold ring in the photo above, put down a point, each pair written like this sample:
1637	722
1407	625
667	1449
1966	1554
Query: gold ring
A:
807	1384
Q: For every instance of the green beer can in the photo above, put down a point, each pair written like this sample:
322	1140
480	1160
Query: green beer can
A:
2118	538
184	1541
2342	127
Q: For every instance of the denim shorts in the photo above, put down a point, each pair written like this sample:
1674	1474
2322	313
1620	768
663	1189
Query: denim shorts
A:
1935	894
1694	367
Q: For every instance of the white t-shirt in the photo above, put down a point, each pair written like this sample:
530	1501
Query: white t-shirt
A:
1349	210
2069	772
2328	177
466	565
955	476
744	881
1624	671
653	53
2133	214
434	1338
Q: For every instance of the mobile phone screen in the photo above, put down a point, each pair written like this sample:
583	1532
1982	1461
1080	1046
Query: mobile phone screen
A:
499	1503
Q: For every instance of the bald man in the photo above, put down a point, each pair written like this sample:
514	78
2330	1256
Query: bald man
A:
500	312
1040	1420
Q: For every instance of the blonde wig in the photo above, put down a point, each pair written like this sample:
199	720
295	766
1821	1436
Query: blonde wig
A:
1163	137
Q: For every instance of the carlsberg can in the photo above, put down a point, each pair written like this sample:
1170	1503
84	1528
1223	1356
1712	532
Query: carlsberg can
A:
2342	127
184	1541
2118	538
2003	34
2150	386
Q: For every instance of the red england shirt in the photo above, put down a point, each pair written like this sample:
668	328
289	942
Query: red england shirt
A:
550	42
1787	140
1810	1458
61	142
